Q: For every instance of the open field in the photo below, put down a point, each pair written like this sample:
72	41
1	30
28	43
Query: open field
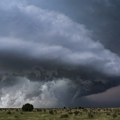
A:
61	114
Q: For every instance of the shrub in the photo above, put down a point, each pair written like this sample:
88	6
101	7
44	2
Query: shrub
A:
114	115
45	110
108	113
64	116
17	110
39	110
76	112
70	112
16	116
21	112
119	113
27	107
9	112
55	111
51	112
90	115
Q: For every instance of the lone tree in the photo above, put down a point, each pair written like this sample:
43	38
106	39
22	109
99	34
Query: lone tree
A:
27	107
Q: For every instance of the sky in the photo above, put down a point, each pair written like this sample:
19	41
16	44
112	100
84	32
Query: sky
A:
56	53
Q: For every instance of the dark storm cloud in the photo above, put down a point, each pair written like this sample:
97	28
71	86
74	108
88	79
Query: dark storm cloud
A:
53	39
111	95
48	59
53	93
102	16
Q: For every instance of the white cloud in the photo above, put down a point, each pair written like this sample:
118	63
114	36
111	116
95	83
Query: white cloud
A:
40	94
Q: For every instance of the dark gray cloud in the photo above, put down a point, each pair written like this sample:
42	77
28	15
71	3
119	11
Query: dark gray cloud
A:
54	38
45	53
111	95
102	16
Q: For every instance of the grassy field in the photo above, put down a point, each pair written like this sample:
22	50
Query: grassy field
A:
61	114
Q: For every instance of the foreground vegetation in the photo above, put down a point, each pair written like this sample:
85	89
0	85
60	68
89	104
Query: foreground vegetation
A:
61	114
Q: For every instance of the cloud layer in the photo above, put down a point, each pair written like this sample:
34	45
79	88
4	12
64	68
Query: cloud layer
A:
41	34
52	54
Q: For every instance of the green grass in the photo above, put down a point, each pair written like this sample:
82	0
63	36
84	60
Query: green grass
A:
61	114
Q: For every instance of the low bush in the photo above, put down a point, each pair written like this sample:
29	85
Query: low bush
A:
16	116
9	112
64	116
76	112
114	115
90	115
51	112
